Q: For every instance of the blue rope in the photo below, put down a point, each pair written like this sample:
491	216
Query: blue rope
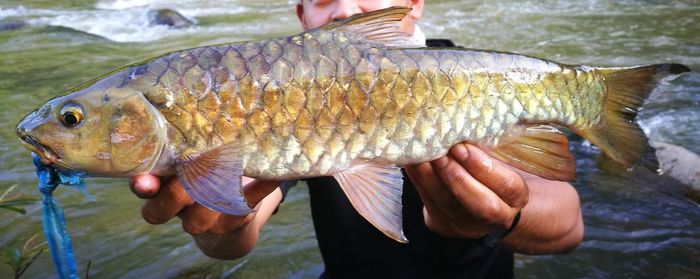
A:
53	220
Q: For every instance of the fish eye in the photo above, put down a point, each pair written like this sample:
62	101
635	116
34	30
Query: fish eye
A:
71	115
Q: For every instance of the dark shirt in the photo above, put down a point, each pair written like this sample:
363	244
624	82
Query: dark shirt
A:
352	248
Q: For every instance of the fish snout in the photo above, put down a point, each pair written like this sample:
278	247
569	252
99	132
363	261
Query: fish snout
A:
26	130
23	127
21	131
32	120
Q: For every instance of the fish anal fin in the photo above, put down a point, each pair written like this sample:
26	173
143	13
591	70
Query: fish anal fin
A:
213	179
542	150
375	192
380	26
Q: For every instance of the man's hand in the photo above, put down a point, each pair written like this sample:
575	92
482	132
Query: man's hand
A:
468	194
217	235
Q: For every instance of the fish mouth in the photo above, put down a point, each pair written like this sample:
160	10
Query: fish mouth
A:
48	156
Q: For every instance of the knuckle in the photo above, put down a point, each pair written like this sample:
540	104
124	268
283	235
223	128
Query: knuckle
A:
522	200
491	213
439	228
180	197
508	187
193	227
227	224
151	217
454	178
514	190
212	250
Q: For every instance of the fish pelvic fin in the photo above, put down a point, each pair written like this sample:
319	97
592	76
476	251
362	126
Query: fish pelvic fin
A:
617	134
375	192
214	179
380	27
542	150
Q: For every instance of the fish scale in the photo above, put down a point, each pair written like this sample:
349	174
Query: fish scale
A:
317	115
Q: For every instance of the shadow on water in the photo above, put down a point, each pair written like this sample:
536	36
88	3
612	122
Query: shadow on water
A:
637	225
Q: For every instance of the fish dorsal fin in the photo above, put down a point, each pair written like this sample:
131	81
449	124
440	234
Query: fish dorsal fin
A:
380	26
375	192
542	150
213	179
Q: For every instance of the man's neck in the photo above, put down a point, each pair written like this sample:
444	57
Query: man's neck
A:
418	35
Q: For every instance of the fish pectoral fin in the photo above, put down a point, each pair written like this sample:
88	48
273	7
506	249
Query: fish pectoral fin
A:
213	179
375	192
380	26
542	150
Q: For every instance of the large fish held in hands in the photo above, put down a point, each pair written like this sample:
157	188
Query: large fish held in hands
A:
355	100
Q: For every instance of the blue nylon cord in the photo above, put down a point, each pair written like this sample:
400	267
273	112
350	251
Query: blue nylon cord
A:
52	217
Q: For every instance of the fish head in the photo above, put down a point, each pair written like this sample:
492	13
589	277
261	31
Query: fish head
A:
100	130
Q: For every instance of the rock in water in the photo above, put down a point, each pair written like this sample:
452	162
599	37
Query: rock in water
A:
12	25
169	17
680	164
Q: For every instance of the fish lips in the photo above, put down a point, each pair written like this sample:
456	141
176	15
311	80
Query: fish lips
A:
48	156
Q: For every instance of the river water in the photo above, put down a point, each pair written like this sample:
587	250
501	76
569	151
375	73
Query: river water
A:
637	225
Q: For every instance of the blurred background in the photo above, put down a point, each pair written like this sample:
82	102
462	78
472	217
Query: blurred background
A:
637	225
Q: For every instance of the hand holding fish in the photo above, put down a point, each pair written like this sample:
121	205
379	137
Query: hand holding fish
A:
217	235
468	194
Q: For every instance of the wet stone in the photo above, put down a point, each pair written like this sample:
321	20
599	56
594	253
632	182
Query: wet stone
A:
12	25
169	17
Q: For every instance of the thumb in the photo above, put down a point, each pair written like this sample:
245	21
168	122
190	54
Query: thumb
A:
145	186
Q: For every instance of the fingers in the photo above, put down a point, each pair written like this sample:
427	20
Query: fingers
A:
172	200
434	193
229	223
420	175
442	212
197	219
500	179
427	181
145	186
482	203
167	203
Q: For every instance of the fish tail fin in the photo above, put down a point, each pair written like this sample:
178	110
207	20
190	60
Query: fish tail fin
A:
617	134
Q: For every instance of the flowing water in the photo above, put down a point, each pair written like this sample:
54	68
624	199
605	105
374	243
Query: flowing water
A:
637	225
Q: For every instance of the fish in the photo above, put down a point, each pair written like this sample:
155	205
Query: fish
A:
355	99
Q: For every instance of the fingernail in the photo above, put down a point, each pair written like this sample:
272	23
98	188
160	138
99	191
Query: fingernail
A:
460	152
